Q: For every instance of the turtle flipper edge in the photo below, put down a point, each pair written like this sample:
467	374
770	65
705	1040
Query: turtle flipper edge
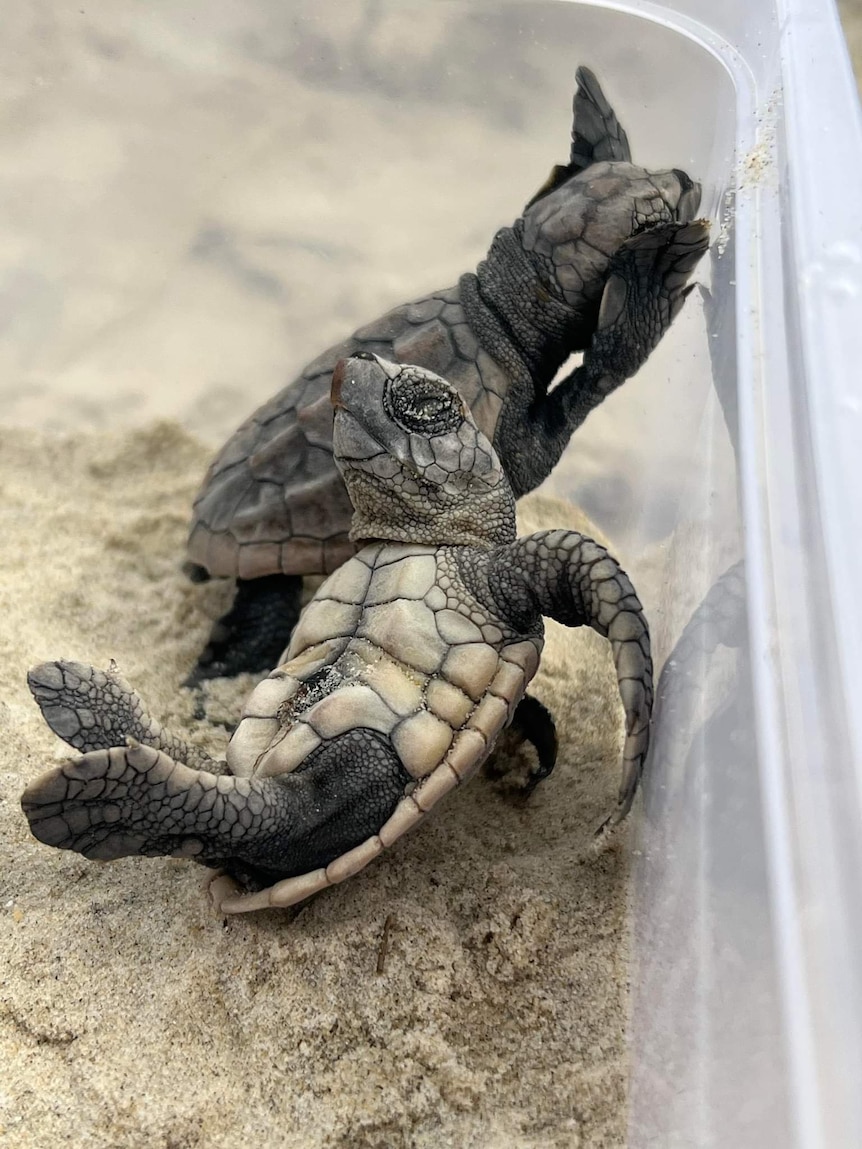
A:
135	800
596	132
93	709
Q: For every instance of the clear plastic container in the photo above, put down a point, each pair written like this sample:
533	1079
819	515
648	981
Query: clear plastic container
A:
735	450
747	987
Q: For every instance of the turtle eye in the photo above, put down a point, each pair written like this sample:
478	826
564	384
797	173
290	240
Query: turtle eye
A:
423	408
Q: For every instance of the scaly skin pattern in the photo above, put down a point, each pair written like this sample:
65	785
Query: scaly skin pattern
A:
646	285
94	709
273	501
403	671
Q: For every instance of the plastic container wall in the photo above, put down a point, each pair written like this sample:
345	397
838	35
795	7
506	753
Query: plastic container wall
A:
747	1005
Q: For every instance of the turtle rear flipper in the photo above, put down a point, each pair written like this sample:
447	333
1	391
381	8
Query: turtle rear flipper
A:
134	800
94	709
254	633
597	134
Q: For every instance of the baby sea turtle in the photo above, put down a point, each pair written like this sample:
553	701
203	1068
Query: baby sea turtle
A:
402	672
273	508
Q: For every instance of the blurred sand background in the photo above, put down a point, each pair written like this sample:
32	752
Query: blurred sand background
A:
197	199
851	18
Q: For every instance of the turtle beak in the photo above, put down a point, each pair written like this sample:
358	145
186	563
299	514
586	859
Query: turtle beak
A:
350	366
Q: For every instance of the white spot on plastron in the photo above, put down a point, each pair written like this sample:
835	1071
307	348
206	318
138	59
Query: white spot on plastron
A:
469	749
354	860
471	667
490	716
435	786
401	691
456	628
251	739
323	619
349	583
293	890
407	814
268	695
448	702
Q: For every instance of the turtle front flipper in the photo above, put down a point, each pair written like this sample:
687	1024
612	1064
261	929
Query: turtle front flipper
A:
597	134
94	709
646	287
568	577
255	632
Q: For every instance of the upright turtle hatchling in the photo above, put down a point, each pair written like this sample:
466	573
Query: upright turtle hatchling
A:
402	672
273	508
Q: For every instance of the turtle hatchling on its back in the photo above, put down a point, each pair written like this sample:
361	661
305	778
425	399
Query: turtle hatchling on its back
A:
273	508
402	672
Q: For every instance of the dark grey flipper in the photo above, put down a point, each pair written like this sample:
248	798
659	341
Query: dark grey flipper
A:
645	290
255	632
135	800
532	722
94	709
566	576
596	134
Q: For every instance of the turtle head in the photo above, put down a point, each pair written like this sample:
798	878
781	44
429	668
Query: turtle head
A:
576	222
416	466
680	192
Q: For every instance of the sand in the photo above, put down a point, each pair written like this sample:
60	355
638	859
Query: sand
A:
131	1016
851	18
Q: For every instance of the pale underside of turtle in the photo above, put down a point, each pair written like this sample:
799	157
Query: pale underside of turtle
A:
273	507
403	670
